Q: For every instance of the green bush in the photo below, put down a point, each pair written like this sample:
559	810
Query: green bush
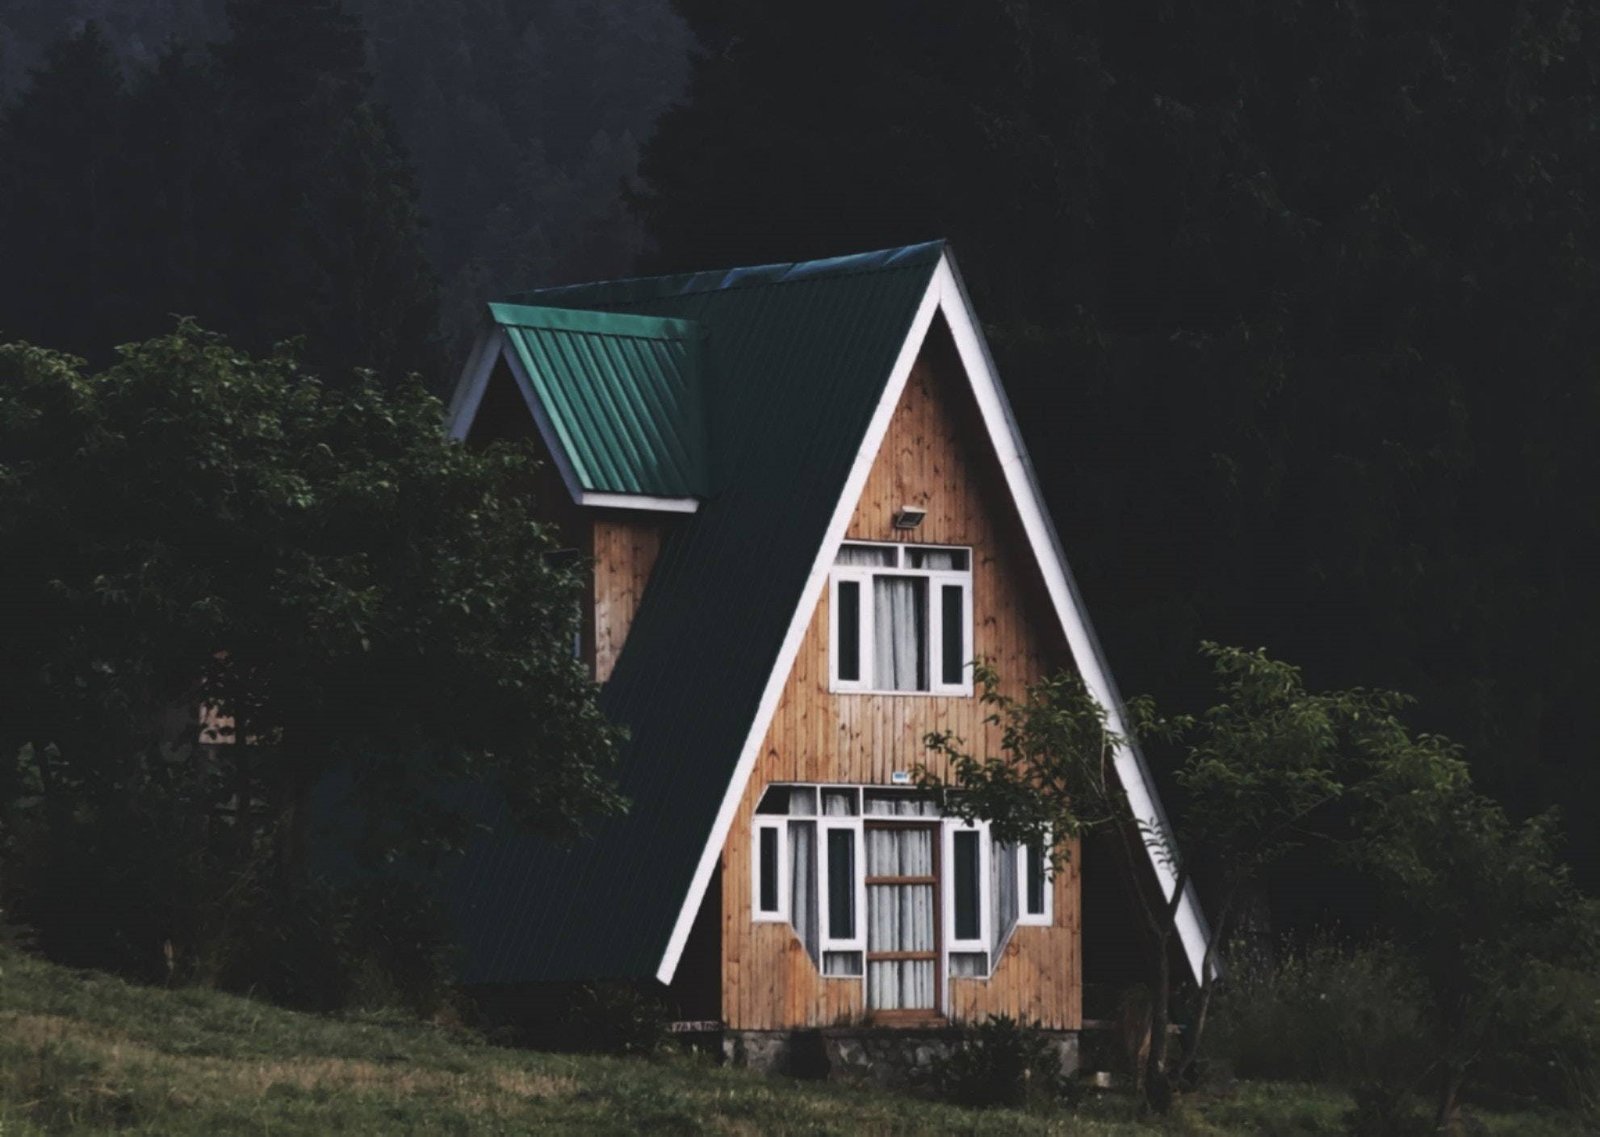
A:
1349	1017
1001	1063
1354	1018
617	1018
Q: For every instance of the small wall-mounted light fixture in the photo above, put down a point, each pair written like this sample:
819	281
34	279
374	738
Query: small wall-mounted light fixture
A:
909	516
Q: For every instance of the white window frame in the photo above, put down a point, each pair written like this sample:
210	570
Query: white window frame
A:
947	886
827	941
1048	916
863	576
778	823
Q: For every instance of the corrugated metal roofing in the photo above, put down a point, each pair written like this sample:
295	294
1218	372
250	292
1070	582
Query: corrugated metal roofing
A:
795	358
623	394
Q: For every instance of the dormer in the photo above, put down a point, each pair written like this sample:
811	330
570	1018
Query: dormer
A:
615	406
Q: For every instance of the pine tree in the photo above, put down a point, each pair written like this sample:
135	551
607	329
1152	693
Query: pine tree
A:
64	220
324	228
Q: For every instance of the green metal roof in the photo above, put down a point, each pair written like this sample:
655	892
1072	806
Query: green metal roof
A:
622	394
794	360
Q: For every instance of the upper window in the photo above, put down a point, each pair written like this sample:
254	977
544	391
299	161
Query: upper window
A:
902	619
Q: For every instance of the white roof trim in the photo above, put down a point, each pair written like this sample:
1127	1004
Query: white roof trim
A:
947	294
474	381
639	501
491	348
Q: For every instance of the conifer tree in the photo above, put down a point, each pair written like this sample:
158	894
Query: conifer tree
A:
324	221
64	219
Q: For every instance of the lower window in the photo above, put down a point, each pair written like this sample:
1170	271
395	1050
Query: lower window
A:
881	888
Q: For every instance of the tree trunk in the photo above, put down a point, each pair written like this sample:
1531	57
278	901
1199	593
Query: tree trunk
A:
1448	1117
1157	1080
1157	1085
1218	931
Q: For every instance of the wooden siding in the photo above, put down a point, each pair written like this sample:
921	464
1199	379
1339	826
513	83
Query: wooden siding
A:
933	456
625	548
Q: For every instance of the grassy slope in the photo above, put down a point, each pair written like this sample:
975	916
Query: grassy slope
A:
84	1053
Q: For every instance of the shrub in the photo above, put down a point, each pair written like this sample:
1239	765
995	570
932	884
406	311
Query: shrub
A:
1325	1014
617	1018
1001	1063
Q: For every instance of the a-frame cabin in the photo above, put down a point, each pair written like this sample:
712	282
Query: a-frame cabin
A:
808	509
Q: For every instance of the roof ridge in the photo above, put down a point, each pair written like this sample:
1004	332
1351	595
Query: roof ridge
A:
586	321
631	290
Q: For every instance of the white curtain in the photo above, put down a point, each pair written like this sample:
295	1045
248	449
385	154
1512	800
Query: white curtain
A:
864	555
838	803
1005	893
803	884
890	804
937	558
899	625
900	918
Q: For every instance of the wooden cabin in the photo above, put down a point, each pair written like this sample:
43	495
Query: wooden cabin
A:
807	510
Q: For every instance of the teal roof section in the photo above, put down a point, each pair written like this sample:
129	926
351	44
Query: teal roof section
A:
795	359
622	393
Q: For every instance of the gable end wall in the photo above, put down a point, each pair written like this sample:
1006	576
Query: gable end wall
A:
935	456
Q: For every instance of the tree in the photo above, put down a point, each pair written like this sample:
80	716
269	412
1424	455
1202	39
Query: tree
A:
63	221
323	220
1261	771
1488	911
1485	908
257	187
367	607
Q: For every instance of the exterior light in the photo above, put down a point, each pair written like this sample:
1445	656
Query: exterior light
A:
909	516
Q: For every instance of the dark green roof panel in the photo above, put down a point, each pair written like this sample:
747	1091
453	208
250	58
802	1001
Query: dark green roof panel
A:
623	395
794	361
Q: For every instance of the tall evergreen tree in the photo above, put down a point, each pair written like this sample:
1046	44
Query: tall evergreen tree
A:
257	187
324	222
64	220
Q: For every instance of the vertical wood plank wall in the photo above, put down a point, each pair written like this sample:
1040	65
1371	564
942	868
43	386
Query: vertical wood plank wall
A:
625	549
936	457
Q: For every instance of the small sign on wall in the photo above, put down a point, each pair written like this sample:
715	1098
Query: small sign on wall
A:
900	778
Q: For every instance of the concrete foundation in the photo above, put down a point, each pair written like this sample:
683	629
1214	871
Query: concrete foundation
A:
884	1056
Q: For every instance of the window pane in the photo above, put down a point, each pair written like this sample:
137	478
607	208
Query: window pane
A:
848	621
1004	864
839	803
969	963
900	803
966	885
900	633
803	883
867	555
954	633
841	963
802	801
1034	855
775	800
769	869
841	884
946	559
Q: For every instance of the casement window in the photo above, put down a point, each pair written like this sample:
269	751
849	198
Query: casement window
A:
902	619
882	889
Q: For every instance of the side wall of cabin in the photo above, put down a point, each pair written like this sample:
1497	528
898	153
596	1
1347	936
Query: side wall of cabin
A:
935	457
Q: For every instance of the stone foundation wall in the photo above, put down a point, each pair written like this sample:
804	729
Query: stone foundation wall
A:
881	1055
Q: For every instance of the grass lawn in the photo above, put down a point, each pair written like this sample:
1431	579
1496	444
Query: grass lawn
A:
82	1052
